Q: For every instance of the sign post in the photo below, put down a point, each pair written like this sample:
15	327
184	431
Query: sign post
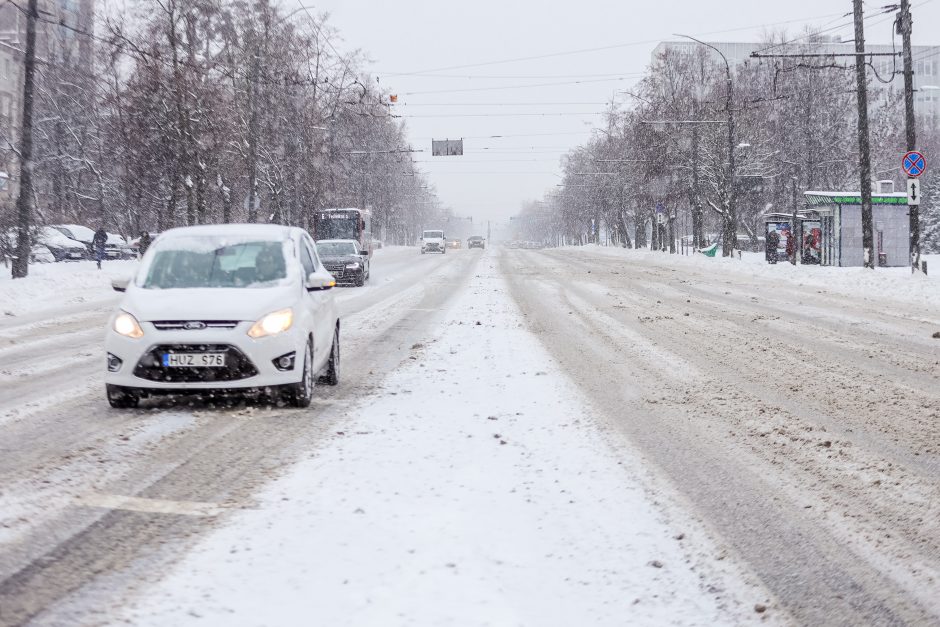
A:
914	164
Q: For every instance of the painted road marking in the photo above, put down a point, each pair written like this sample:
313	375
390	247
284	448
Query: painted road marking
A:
151	506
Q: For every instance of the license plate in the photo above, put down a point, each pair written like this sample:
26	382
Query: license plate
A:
194	360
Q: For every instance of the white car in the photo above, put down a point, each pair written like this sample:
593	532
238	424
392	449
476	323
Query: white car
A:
433	241
224	307
62	247
116	247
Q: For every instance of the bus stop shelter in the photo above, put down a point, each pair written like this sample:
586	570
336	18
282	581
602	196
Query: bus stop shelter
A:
836	218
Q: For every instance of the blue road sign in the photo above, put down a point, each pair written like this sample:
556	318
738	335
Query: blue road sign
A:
914	164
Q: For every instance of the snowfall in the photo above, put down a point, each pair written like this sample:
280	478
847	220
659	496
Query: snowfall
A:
471	487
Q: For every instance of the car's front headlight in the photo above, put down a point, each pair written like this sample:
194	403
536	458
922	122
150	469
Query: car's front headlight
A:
353	266
272	324
125	324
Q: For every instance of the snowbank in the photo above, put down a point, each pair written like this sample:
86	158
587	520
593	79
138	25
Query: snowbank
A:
471	488
55	285
882	284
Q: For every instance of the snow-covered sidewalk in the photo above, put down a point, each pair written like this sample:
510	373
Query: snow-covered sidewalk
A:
473	488
894	287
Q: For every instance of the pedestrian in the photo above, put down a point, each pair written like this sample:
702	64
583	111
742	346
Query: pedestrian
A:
791	246
143	243
98	242
773	241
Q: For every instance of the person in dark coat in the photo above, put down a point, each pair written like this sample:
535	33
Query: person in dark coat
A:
773	241
98	242
144	243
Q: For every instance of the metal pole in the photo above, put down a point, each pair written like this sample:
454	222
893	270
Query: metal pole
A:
796	234
24	202
864	147
905	26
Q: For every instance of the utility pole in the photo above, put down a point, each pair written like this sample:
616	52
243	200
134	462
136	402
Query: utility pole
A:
697	222
794	232
730	227
904	27
24	202
864	146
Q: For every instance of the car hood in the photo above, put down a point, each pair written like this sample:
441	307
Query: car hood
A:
341	259
207	304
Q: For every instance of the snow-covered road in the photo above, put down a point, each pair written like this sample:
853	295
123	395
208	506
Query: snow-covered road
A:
801	421
624	438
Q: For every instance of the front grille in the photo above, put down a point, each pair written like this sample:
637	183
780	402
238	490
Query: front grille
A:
238	366
193	325
336	270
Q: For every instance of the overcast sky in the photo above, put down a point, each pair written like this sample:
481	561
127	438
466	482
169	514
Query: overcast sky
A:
455	68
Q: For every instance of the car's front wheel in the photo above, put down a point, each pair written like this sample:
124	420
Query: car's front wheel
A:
331	372
300	394
121	397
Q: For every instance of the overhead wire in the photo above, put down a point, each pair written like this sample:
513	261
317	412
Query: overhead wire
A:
584	50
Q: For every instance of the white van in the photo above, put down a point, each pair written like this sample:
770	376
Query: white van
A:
433	242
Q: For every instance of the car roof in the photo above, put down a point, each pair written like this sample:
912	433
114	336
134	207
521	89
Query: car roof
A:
77	229
263	231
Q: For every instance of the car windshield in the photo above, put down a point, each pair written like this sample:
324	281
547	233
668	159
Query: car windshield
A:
208	262
336	249
434	234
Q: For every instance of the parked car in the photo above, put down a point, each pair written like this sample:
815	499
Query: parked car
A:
476	241
221	308
41	254
117	248
433	242
81	234
343	259
62	247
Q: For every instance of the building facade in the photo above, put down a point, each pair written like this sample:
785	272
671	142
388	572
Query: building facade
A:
53	41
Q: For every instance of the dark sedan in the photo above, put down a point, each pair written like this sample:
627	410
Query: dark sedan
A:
343	259
476	241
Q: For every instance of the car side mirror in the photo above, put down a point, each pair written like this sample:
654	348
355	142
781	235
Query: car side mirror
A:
317	282
363	253
120	285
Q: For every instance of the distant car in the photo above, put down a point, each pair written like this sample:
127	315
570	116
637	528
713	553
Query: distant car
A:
233	307
343	259
514	244
61	247
476	241
81	234
453	243
433	242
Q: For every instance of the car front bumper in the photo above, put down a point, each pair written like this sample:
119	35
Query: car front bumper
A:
254	358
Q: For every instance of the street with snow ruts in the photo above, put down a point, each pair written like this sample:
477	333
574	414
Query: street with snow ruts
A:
519	437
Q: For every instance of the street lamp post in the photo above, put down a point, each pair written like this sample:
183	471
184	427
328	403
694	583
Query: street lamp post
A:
731	221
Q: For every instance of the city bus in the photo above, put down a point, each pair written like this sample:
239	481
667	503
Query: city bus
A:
349	223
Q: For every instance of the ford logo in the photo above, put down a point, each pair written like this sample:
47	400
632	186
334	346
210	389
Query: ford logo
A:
194	325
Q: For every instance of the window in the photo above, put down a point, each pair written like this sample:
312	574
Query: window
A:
307	260
203	262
